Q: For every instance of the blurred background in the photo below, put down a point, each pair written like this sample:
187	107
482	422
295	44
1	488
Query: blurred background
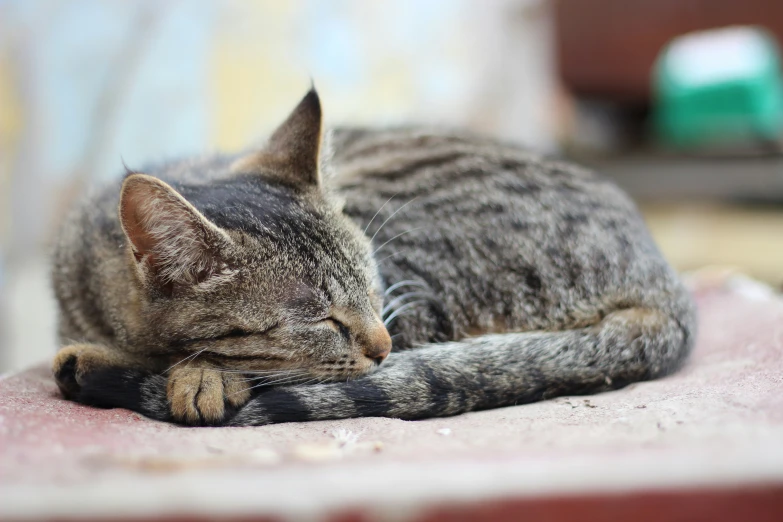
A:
680	101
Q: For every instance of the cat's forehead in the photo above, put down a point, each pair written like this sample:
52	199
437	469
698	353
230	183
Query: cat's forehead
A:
253	205
287	236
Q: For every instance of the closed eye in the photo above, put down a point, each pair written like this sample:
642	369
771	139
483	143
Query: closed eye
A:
241	332
236	332
339	327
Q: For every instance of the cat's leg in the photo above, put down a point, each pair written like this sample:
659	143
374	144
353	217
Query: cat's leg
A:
76	361
100	376
194	392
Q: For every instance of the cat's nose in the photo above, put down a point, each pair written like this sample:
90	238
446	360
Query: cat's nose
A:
379	345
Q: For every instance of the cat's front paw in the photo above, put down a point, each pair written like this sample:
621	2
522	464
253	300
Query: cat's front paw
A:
203	395
72	363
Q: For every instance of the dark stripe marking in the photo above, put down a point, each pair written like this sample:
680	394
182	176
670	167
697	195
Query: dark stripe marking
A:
118	388
369	399
280	405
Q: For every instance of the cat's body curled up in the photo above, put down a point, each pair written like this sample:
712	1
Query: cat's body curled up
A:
270	286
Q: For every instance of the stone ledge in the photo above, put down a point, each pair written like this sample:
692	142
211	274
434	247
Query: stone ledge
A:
707	438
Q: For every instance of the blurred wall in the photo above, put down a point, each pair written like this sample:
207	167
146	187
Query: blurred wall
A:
85	84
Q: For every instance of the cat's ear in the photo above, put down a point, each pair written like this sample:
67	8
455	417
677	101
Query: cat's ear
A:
292	152
171	241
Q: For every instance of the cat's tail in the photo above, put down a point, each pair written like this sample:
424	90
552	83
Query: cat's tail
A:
490	371
478	373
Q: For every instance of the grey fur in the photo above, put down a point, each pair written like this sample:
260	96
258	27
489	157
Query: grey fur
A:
515	278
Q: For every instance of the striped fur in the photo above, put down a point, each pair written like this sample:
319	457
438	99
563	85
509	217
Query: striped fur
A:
505	277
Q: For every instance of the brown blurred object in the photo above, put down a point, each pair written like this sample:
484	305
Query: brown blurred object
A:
605	48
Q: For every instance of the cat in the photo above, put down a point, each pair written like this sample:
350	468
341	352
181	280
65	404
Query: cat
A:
270	286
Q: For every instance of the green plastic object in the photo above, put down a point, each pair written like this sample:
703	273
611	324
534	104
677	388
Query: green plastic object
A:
719	86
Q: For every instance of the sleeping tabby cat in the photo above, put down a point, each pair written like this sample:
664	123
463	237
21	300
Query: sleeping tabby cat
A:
271	286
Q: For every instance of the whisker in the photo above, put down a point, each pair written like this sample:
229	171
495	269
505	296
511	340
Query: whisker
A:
378	212
399	299
188	358
409	282
395	237
284	380
379	261
388	218
252	372
406	314
297	373
402	309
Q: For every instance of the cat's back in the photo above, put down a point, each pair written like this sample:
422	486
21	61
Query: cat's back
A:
505	237
472	178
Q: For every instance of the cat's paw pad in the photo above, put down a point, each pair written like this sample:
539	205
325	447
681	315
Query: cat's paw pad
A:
73	362
201	395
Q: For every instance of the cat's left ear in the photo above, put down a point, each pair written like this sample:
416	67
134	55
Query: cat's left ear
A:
293	151
172	243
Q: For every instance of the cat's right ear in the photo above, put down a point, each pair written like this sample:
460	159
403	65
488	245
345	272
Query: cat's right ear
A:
173	244
293	151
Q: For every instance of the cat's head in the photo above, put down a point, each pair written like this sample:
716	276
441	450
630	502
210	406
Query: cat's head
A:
258	269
